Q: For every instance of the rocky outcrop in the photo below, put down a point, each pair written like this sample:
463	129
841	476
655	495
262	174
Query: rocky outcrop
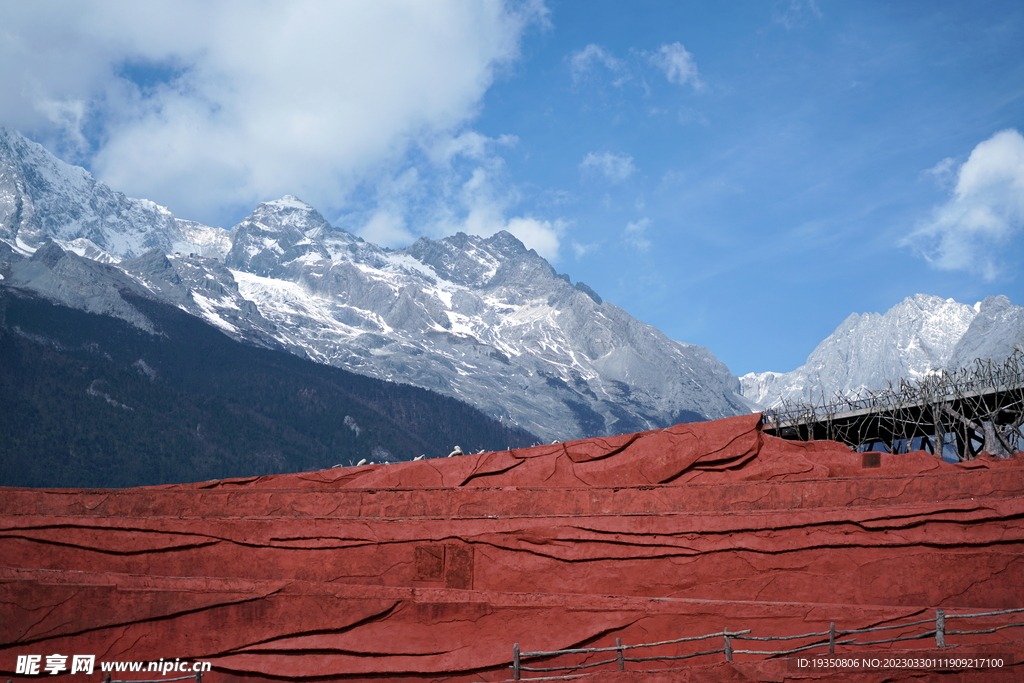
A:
995	332
78	282
274	237
432	569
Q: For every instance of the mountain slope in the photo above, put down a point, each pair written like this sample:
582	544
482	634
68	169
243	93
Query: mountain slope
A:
93	401
996	330
920	335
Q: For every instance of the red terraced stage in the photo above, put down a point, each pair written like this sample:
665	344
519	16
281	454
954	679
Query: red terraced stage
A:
432	570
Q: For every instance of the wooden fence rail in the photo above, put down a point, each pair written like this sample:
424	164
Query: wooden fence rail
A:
197	677
939	633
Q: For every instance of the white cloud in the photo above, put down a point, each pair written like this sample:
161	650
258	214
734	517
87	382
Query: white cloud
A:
486	219
635	234
483	207
67	116
583	61
798	13
387	230
943	172
537	234
257	99
581	250
614	167
470	145
677	64
464	187
672	60
984	212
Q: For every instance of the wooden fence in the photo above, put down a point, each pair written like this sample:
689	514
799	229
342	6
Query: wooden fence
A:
829	638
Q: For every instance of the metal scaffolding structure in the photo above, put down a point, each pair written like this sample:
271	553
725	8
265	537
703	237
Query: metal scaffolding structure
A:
963	412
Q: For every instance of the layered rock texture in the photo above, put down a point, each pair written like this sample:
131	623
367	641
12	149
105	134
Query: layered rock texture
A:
432	570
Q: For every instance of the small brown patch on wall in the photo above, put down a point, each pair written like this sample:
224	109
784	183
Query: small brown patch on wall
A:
452	564
871	460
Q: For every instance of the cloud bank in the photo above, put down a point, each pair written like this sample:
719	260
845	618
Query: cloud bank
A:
211	107
985	211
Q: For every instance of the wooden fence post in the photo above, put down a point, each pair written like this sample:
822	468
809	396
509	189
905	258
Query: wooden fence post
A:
728	645
940	628
832	638
622	663
515	662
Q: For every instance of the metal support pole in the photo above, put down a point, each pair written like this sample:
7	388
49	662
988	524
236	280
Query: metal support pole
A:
622	662
832	638
515	662
728	645
940	628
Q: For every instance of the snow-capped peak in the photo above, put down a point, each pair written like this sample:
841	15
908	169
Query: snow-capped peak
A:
42	198
289	201
918	336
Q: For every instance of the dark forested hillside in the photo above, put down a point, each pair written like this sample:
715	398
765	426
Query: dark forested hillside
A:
91	401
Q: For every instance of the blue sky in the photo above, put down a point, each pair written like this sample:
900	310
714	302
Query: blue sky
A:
742	175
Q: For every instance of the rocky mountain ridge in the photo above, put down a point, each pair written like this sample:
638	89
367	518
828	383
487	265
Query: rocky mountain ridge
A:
485	320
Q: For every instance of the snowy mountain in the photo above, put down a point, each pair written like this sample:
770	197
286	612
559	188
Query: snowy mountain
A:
996	330
920	335
41	198
484	320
